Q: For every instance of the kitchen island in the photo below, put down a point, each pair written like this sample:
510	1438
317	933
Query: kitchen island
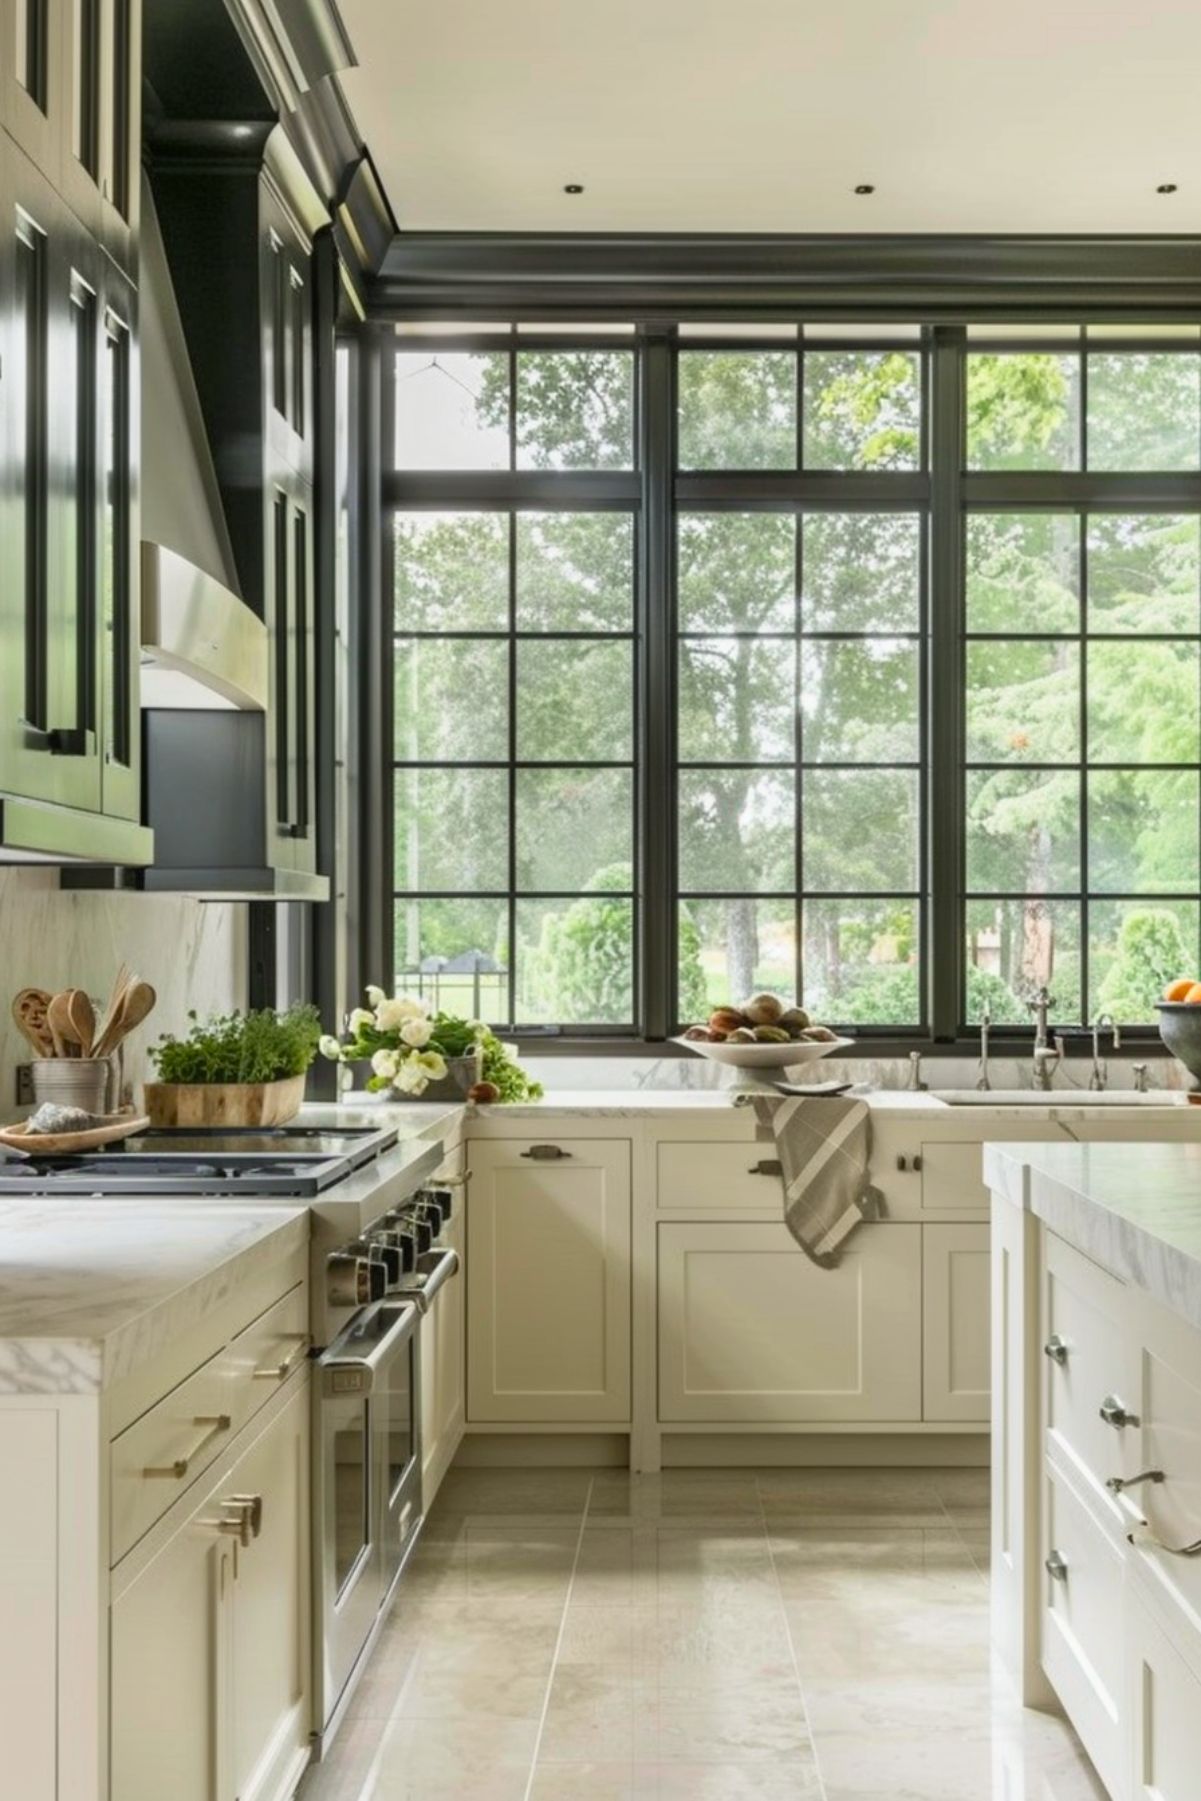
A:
1097	1448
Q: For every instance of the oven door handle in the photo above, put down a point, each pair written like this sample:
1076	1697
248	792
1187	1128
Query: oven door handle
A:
343	1372
423	1294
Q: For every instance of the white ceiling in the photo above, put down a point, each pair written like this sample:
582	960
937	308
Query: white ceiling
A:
762	115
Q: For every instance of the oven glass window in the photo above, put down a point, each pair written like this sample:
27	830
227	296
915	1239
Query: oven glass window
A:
352	1487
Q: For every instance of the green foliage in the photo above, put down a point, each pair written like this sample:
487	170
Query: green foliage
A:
261	1046
1150	954
581	967
693	989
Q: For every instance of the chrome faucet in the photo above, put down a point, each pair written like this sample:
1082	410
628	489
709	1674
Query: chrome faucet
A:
1046	1056
982	1082
915	1084
1100	1074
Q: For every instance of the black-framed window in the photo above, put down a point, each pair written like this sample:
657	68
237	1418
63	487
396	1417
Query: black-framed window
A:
779	555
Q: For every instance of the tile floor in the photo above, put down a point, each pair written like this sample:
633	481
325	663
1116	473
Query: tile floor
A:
787	1635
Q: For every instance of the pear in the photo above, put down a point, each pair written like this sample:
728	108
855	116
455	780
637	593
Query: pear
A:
764	1009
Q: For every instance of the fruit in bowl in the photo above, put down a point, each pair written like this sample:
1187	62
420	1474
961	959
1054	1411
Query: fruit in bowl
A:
1180	1023
763	1030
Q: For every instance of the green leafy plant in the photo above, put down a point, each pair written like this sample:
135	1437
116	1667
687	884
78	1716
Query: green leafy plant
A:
260	1046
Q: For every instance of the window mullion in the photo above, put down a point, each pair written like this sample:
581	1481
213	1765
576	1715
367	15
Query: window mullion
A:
657	688
944	934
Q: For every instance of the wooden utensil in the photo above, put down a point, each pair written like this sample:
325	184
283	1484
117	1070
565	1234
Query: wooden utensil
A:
58	1018
29	1016
120	983
82	1016
136	1003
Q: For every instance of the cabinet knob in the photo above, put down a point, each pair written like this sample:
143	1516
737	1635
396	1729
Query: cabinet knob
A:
909	1163
1056	1349
546	1153
1056	1567
766	1166
1114	1414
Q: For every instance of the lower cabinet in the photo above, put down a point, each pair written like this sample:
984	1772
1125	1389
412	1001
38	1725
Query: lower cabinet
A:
751	1330
548	1281
955	1323
209	1638
443	1371
1165	1706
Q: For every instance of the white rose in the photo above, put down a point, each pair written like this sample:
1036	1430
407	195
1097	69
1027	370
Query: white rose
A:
329	1047
384	1063
414	1006
434	1062
390	1015
358	1019
411	1078
374	995
416	1033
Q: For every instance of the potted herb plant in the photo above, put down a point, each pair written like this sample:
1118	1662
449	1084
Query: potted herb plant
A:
417	1053
240	1069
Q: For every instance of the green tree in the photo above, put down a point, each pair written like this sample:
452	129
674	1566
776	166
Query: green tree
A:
1150	954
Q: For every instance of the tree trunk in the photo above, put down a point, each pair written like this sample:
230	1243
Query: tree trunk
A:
742	950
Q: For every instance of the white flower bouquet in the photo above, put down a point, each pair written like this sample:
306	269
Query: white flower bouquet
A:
409	1046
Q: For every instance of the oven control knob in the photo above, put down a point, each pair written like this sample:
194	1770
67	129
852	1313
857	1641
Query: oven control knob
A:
377	1279
402	1233
389	1254
442	1199
421	1227
349	1281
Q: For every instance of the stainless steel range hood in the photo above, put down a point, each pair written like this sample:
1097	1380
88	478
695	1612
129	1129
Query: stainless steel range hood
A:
201	645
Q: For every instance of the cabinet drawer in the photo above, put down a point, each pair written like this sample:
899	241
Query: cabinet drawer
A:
723	1176
1082	1307
154	1460
1169	1439
1082	1642
265	1354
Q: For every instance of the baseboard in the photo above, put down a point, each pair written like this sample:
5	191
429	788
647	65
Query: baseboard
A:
817	1450
543	1450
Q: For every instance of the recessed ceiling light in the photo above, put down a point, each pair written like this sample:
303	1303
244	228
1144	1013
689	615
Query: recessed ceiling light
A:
1166	187
573	187
865	187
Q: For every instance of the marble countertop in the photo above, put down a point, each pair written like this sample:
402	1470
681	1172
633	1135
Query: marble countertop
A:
90	1289
1134	1208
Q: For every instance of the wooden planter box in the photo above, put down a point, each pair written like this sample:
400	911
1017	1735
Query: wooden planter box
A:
224	1103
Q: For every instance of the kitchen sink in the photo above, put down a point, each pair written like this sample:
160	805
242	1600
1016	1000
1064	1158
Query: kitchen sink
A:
1058	1097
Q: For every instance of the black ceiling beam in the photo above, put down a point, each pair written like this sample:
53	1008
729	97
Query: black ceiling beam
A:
604	276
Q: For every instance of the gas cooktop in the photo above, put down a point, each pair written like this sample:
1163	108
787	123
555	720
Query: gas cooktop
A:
295	1160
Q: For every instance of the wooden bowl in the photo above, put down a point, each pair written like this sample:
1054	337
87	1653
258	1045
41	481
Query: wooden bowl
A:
109	1129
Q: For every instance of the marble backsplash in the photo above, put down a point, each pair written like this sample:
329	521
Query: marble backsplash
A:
193	953
696	1073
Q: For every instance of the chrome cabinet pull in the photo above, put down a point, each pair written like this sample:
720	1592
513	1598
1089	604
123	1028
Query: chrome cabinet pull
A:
767	1166
546	1153
1114	1414
905	1164
1056	1349
216	1423
279	1372
244	1521
1143	1535
1119	1484
1056	1567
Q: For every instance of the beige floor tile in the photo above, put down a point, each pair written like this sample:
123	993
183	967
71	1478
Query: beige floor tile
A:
674	1782
540	1492
592	1714
809	1555
695	1497
850	1497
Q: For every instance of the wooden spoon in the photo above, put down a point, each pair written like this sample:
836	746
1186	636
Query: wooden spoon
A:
136	1003
82	1016
58	1018
121	981
29	1015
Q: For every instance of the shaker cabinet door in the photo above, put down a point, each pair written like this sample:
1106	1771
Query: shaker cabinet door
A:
956	1352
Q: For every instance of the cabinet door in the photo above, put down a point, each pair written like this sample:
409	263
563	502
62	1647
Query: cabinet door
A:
443	1371
955	1329
33	41
291	767
548	1282
271	1646
118	566
750	1329
1164	1695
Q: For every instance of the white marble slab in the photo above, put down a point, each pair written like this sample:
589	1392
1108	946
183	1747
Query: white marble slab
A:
1135	1208
90	1289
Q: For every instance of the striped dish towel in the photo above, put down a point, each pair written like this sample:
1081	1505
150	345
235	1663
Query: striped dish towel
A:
823	1143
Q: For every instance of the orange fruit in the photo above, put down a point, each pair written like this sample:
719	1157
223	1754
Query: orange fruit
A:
1193	997
1178	991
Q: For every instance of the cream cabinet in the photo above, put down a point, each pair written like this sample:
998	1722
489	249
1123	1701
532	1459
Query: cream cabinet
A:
443	1369
548	1281
751	1330
209	1635
955	1328
1164	1693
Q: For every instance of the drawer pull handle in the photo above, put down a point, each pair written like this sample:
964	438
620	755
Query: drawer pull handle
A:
1056	1349
246	1522
546	1153
1114	1414
217	1423
279	1372
904	1164
1143	1535
766	1166
1056	1567
1118	1485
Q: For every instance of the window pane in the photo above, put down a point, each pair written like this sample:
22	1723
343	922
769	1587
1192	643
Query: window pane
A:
1014	948
575	572
731	949
573	825
1144	573
575	960
862	409
861	829
456	953
1135	949
452	696
737	831
452	409
1023	831
452	829
575	409
737	700
1023	412
737	409
1144	412
861	962
1143	703
1144	831
861	572
1023	702
736	572
1023	572
575	700
860	701
452	572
